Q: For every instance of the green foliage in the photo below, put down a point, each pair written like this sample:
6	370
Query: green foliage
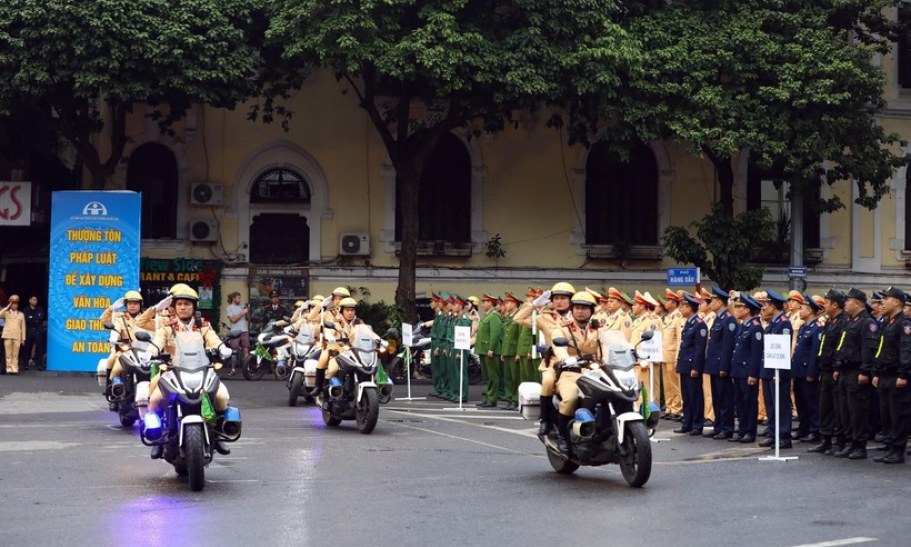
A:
495	248
91	60
379	315
723	246
780	78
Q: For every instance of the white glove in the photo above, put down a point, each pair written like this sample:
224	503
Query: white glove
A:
225	352
326	301
384	344
542	300
163	305
117	304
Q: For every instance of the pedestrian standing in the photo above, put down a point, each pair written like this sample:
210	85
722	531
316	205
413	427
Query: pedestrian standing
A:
487	346
436	326
13	333
35	321
830	427
746	360
780	415
671	325
509	350
690	363
722	335
805	369
528	367
239	317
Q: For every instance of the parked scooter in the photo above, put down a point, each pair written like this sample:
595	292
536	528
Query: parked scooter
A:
187	428
606	428
353	394
272	352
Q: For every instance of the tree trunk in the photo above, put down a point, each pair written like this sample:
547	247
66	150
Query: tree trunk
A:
725	172
409	180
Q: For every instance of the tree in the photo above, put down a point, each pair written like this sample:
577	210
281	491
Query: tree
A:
781	79
87	63
723	246
423	68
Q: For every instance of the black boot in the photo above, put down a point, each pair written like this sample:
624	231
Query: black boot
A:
563	430
858	451
157	451
824	446
547	406
221	447
843	451
320	380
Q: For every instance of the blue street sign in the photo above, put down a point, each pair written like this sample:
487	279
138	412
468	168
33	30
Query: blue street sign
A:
797	272
680	277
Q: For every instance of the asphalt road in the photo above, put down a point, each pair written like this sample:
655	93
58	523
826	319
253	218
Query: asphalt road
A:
71	475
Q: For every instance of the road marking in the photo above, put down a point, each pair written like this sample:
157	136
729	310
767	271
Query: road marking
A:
520	432
456	437
18	446
838	542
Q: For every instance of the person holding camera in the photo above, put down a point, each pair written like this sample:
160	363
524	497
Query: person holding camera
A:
238	315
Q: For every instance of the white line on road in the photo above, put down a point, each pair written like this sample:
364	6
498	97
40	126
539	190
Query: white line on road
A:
456	437
520	432
838	542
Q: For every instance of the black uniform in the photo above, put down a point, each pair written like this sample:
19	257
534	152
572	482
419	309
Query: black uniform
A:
274	314
891	362
829	425
853	358
34	327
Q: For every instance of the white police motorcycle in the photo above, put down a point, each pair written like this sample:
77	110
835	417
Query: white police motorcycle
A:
304	356
606	428
187	429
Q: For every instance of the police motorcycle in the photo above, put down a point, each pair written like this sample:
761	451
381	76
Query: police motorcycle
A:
304	356
353	394
128	394
187	428
606	428
272	352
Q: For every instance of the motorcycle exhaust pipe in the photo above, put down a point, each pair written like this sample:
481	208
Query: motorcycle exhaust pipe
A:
336	392
118	390
386	390
584	423
231	424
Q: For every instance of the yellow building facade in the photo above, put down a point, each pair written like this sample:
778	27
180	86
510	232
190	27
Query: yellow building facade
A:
525	184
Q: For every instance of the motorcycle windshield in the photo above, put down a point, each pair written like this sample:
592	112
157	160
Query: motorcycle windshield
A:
365	344
305	335
190	351
616	351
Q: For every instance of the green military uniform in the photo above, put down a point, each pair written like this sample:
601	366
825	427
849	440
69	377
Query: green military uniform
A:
436	353
486	341
528	367
446	341
508	349
458	362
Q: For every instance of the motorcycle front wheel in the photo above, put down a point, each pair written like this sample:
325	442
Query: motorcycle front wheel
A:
127	421
636	455
368	411
560	465
252	370
330	420
194	448
296	382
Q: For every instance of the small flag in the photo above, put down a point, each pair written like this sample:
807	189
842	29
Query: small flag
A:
208	413
645	408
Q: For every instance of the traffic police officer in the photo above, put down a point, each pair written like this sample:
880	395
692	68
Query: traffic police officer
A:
746	360
671	325
805	369
690	363
722	335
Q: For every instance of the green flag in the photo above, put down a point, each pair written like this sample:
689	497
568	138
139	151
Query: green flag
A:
645	409
208	413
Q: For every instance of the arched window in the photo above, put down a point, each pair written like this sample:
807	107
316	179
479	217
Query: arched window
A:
152	171
445	195
280	185
621	197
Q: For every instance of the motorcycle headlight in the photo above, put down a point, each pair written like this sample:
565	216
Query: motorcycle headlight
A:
627	378
192	380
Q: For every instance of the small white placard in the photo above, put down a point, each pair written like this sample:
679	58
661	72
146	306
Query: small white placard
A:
652	350
406	334
462	338
777	351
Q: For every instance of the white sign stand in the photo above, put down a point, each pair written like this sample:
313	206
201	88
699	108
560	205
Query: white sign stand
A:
462	343
407	337
777	355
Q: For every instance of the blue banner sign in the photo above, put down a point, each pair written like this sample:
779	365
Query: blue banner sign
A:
94	261
680	277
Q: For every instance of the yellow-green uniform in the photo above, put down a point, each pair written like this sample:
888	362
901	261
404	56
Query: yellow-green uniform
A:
509	352
436	354
528	367
487	342
458	361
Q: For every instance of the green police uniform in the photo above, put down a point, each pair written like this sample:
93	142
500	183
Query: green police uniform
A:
486	341
436	357
446	357
528	367
459	361
510	364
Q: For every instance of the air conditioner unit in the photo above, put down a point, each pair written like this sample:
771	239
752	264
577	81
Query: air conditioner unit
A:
204	230
205	193
354	244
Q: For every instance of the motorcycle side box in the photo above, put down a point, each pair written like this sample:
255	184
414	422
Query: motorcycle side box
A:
530	400
101	372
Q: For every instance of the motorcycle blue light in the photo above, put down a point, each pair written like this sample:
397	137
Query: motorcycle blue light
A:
116	380
232	414
335	382
152	425
584	415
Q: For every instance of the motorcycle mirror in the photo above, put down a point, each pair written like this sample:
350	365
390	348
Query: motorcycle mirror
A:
647	335
108	325
143	336
329	325
560	342
391	333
